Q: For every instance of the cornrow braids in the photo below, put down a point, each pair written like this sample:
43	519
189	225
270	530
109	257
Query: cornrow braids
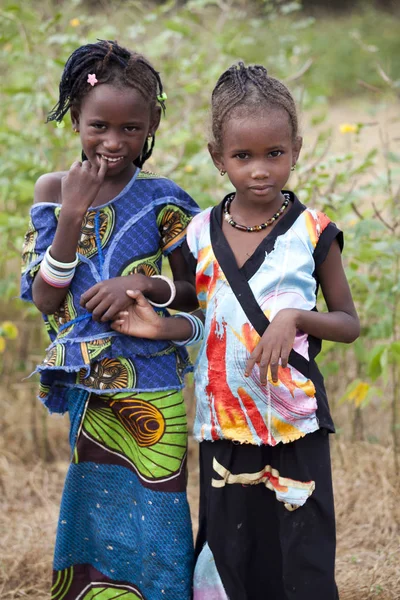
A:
111	63
241	86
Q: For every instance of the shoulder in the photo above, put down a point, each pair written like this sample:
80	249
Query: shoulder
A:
48	188
311	225
163	190
199	224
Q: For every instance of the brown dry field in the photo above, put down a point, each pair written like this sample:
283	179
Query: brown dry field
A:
366	487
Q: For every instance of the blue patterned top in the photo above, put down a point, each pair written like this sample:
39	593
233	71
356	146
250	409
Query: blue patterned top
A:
129	234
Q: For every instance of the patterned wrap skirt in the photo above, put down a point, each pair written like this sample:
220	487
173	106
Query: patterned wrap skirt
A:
267	523
124	528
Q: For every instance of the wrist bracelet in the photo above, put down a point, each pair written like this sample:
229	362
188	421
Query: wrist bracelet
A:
171	287
56	273
61	265
197	330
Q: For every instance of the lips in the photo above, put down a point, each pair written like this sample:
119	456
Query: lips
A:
261	187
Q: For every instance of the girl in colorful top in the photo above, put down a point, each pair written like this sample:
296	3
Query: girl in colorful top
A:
97	230
267	526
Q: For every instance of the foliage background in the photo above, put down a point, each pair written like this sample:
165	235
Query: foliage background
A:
345	74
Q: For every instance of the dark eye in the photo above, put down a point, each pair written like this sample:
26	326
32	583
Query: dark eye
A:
131	128
276	153
242	155
98	126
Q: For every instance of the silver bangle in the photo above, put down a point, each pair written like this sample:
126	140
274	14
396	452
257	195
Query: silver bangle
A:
171	287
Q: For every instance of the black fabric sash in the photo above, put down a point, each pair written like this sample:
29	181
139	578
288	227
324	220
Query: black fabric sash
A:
242	290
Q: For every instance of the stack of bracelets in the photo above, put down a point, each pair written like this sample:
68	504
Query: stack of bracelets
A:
55	273
197	330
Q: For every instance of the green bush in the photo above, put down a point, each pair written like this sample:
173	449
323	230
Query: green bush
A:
191	45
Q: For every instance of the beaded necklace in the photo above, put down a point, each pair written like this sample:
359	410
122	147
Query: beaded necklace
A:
230	221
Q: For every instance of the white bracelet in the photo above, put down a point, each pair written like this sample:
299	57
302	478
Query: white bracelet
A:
197	330
61	265
171	287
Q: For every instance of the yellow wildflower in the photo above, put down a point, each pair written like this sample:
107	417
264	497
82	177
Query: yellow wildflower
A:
359	393
2	344
75	22
348	128
188	169
9	330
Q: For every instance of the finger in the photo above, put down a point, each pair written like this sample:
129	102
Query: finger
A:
75	165
264	368
86	296
274	364
140	299
103	168
99	311
110	314
251	361
94	302
117	325
285	356
86	165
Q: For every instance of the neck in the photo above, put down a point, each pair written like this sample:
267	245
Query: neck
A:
249	213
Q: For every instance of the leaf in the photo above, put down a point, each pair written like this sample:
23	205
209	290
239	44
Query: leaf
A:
374	365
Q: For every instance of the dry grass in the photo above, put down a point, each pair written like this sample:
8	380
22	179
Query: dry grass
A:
367	508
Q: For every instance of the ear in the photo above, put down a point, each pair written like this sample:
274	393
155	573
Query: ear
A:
75	118
216	156
297	144
155	120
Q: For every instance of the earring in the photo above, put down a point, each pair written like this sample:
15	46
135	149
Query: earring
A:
150	135
222	172
75	130
293	167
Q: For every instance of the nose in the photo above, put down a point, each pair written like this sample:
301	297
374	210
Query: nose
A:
112	142
260	171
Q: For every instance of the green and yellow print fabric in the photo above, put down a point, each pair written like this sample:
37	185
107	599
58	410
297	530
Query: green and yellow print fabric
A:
172	223
148	431
66	585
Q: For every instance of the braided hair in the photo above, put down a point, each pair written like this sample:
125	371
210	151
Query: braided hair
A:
112	64
241	86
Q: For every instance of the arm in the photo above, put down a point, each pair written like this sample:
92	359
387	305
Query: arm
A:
141	320
107	298
340	324
76	191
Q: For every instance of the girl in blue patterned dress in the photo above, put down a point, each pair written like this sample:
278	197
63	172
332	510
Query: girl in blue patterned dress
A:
267	526
96	231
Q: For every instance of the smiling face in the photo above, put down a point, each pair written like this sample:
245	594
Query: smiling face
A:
114	123
257	152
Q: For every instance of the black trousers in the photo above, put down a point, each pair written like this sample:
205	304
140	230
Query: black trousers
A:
263	551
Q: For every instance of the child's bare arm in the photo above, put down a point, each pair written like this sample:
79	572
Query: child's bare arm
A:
76	191
340	324
141	320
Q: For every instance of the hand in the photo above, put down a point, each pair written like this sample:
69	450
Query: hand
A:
274	346
107	298
140	320
81	185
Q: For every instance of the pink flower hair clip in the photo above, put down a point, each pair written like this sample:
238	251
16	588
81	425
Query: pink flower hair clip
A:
92	79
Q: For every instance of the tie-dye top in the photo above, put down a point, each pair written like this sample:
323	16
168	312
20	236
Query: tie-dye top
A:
127	235
280	274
